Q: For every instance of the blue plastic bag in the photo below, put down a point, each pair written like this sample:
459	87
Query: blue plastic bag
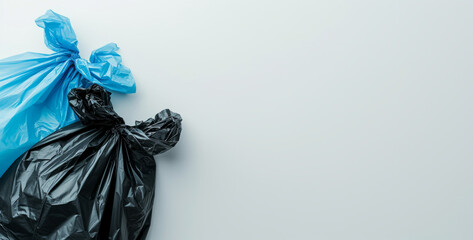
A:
34	86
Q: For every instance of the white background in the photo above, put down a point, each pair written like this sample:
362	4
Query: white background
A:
330	119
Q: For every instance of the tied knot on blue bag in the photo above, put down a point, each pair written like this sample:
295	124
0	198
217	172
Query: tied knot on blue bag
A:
104	66
75	55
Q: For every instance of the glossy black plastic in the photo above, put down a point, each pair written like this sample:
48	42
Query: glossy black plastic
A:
94	179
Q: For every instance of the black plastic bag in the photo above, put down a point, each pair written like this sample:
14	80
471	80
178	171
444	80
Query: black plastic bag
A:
90	180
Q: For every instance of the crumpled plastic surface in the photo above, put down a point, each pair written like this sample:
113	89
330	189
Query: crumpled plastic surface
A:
90	180
34	86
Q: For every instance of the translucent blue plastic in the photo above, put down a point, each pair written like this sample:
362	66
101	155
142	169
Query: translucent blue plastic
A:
34	86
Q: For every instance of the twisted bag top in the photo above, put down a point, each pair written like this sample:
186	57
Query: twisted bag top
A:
94	179
34	86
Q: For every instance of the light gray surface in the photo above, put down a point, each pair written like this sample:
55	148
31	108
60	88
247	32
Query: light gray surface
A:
302	119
